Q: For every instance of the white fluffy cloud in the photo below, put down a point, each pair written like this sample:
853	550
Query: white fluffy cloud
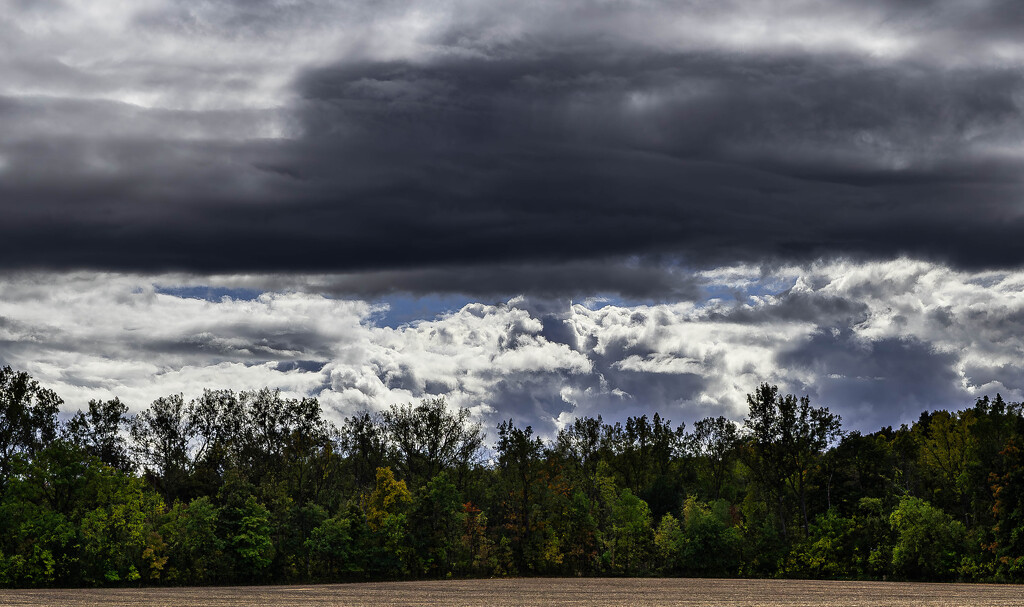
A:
877	342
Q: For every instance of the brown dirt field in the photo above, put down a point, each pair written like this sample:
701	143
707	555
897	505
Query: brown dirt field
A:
547	591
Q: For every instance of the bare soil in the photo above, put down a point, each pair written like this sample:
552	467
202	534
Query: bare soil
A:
544	591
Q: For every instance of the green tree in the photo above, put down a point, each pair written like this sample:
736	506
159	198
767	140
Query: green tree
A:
38	530
99	431
28	417
788	436
338	546
1008	509
162	437
195	551
669	541
715	442
929	543
580	535
828	551
427	439
630	539
251	541
520	469
947	454
712	544
244	526
119	537
437	525
387	515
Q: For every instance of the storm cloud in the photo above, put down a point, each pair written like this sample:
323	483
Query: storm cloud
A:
350	137
618	207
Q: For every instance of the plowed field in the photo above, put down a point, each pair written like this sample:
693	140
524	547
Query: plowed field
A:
548	591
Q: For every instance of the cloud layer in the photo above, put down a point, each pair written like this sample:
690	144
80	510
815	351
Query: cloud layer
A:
825	195
362	137
876	342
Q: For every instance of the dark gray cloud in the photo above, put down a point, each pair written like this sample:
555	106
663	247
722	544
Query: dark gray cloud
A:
876	383
639	279
490	139
821	195
719	157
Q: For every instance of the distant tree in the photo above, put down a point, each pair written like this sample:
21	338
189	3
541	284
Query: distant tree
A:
195	550
1008	509
579	445
948	450
630	539
335	548
715	442
28	417
860	466
387	510
277	438
991	432
669	541
520	468
580	535
643	449
162	437
217	420
362	442
436	526
788	435
929	543
711	543
428	438
101	431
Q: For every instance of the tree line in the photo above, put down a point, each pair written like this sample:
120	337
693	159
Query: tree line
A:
251	487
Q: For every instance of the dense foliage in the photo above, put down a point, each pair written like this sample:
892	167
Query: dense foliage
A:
253	487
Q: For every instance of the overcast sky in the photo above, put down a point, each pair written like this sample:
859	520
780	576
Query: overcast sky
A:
536	209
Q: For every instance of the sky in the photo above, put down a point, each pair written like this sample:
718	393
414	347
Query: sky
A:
538	210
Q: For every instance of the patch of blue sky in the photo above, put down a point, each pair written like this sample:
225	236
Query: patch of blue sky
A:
709	292
769	285
210	293
597	302
601	301
407	309
988	279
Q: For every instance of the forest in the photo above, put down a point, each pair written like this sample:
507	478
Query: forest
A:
252	487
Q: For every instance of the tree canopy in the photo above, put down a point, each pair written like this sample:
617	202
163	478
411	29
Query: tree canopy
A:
254	487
